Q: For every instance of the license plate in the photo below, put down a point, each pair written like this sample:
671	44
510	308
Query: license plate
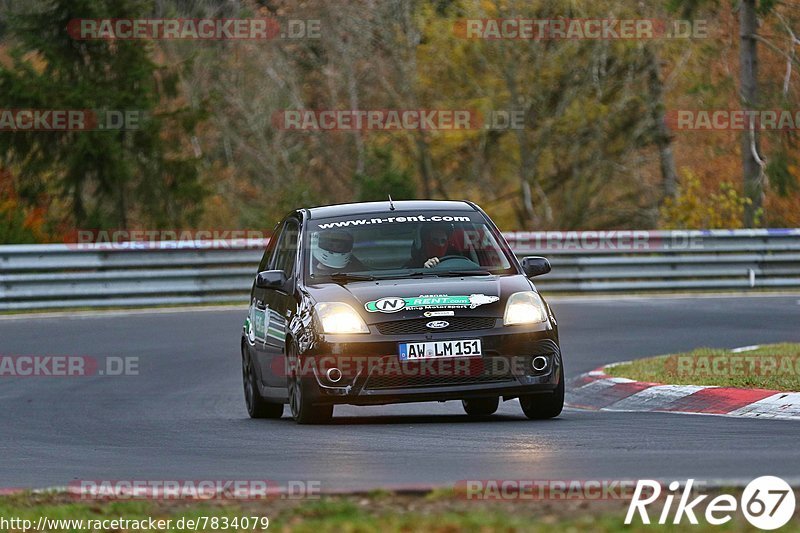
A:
410	351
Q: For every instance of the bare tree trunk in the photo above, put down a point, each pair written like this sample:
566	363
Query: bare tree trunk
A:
122	204
352	90
425	165
663	140
531	220
748	68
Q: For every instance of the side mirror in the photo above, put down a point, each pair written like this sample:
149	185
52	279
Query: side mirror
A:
535	266
271	279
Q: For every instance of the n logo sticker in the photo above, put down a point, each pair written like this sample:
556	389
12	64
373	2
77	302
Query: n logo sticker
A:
386	305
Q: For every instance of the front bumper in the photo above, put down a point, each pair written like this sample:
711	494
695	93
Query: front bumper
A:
371	372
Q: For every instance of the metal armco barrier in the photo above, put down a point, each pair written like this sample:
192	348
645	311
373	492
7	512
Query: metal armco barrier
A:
141	274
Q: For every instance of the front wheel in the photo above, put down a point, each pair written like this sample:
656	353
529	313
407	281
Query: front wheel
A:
303	411
546	405
257	406
480	406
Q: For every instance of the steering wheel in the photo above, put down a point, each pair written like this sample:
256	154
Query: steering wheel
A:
451	258
465	262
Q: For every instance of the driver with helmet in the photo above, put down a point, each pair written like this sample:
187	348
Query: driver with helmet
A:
434	242
332	251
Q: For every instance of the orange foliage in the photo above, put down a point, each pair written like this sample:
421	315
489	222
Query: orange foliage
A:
19	223
708	79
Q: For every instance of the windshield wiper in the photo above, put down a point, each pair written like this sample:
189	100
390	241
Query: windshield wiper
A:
344	277
348	276
437	274
455	273
420	274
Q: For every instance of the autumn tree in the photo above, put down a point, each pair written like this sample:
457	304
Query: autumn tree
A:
135	175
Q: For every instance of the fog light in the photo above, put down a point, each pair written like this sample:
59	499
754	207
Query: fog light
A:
539	363
334	375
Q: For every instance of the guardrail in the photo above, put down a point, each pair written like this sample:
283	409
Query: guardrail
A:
145	274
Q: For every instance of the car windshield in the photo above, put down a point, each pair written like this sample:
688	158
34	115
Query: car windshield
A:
399	245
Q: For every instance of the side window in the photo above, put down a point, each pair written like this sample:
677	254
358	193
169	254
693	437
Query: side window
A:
266	259
287	248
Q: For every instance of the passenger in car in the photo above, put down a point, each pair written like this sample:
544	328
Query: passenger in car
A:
332	252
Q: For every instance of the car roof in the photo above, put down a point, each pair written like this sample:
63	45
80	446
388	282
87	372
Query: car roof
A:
363	208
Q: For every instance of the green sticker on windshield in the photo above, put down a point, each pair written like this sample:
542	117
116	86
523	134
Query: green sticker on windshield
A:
393	304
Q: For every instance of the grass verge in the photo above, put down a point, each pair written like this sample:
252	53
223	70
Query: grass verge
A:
770	366
381	511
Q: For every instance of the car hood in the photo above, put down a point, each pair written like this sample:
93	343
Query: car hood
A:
383	300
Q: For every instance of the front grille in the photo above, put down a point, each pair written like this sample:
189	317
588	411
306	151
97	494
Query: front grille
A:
414	374
417	325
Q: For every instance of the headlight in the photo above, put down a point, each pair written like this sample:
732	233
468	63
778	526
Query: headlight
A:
525	308
338	317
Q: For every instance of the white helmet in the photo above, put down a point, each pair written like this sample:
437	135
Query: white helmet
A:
332	248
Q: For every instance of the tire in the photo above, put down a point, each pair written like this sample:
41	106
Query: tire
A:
543	406
480	406
257	406
300	400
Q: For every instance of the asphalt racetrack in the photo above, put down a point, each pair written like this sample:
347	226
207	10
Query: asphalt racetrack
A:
183	416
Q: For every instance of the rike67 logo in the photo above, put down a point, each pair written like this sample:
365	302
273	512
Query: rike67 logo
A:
767	502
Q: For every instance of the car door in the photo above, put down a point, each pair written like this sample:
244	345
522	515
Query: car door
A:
258	310
279	303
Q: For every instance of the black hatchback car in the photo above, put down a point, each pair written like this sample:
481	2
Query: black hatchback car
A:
389	302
